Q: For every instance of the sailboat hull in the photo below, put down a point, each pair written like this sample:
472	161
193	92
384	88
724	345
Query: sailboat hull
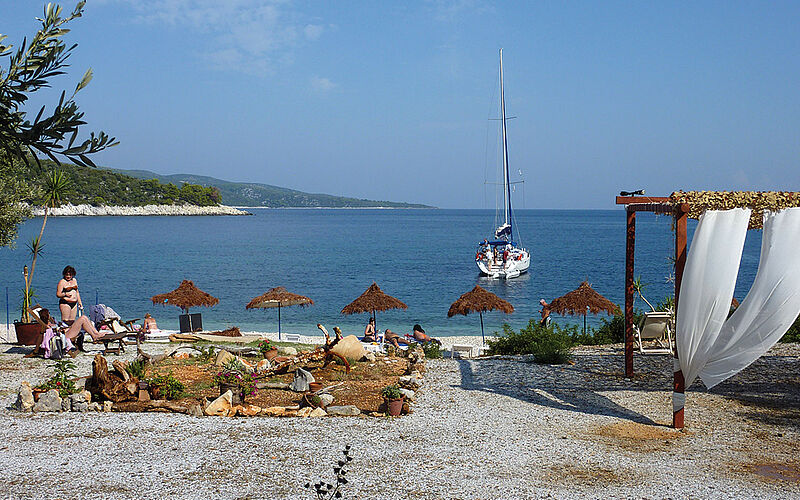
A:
516	263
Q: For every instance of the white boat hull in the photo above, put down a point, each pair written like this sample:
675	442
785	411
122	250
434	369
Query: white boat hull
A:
509	269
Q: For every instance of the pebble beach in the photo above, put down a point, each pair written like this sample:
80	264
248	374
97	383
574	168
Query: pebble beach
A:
493	427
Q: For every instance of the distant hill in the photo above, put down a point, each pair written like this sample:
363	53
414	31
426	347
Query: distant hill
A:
263	195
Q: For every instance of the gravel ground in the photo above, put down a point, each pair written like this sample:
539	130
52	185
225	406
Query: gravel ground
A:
483	428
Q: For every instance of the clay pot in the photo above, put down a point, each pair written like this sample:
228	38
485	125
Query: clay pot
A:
314	386
238	397
28	333
395	406
270	355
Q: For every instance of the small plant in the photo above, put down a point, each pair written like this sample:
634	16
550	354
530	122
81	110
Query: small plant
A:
432	350
234	373
391	392
168	386
206	353
61	379
265	345
324	490
137	368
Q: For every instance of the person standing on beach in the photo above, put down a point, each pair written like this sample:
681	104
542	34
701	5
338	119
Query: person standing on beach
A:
545	313
69	299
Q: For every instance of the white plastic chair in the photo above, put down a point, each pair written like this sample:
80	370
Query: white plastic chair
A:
655	325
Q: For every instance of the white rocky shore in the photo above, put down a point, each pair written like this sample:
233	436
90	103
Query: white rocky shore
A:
89	210
496	427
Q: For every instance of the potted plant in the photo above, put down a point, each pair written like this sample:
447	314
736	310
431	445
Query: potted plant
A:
61	380
394	399
235	378
268	350
55	186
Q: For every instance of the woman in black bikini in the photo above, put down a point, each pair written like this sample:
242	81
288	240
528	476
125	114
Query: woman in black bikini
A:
69	299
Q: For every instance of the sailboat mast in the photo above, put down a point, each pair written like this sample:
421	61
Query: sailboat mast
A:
506	178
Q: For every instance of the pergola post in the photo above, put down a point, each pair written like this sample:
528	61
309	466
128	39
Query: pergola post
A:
630	244
678	382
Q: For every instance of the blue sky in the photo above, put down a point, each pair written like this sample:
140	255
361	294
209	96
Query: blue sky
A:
392	100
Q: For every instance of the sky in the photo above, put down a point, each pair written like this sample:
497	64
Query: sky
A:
398	100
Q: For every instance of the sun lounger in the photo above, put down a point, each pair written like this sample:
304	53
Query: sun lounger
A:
461	349
655	326
292	337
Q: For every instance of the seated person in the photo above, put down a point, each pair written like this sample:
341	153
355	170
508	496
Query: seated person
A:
369	332
420	335
73	331
393	338
149	324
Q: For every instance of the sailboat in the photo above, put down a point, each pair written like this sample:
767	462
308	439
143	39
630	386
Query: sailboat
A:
500	256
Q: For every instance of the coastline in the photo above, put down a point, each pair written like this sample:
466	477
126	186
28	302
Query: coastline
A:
146	210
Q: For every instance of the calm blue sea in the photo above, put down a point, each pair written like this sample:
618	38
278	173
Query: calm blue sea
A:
422	257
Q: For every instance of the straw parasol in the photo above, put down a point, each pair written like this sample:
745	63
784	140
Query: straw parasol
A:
373	299
582	300
480	301
185	296
278	297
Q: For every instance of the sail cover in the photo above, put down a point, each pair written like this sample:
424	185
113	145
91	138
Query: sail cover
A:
504	230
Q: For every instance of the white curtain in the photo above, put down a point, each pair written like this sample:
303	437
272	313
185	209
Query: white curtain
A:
709	278
770	307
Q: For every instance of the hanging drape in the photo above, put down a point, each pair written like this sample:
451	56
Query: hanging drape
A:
770	307
710	346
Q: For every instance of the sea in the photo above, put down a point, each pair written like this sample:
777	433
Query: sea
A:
424	258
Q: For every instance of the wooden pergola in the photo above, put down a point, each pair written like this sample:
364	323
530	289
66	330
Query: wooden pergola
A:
681	206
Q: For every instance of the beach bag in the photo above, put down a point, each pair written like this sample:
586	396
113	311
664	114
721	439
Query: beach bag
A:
56	347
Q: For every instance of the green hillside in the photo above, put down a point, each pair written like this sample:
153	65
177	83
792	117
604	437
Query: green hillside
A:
264	195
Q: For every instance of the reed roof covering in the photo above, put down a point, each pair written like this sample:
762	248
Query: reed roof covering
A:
758	201
479	300
373	299
185	296
577	301
278	297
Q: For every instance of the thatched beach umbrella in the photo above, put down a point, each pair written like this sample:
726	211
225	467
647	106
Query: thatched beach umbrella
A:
373	299
582	300
185	296
278	297
480	301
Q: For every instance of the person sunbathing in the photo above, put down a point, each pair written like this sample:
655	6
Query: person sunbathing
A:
149	324
369	331
74	330
393	338
420	335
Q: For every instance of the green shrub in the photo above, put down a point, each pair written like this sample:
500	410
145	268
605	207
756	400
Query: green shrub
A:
549	345
391	392
168	386
793	334
432	350
137	368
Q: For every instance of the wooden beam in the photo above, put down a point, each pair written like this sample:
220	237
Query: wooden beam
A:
678	382
630	244
627	200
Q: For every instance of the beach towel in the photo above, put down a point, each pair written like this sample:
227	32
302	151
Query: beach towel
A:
48	344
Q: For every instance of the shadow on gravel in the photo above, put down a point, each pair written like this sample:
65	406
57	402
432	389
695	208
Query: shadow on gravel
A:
19	350
563	388
774	402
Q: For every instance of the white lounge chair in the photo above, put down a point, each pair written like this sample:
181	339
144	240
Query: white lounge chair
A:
292	337
655	325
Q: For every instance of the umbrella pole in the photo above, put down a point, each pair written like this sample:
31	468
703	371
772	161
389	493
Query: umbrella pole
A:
584	324
279	321
483	337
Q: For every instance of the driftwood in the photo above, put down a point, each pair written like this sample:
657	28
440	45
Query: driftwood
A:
140	406
117	386
321	353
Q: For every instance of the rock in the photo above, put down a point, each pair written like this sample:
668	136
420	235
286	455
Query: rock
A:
235	410
66	404
370	357
95	406
301	380
78	403
247	365
220	406
344	411
304	412
195	411
49	401
144	395
350	347
223	357
249	410
274	411
408	393
262	365
25	400
410	382
273	385
318	412
326	399
107	405
181	355
88	396
287	351
406	410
